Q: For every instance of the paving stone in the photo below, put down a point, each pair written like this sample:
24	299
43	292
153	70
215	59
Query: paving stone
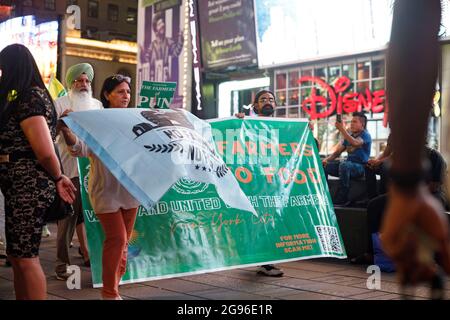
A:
371	295
278	292
181	285
305	295
232	295
147	293
324	288
332	279
315	266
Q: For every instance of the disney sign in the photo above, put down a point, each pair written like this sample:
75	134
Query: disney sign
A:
338	100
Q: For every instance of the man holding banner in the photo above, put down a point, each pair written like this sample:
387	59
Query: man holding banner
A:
78	79
264	105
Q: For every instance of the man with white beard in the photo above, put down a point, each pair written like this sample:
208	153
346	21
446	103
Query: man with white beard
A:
78	80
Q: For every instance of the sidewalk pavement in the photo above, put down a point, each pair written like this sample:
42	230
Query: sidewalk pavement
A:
315	279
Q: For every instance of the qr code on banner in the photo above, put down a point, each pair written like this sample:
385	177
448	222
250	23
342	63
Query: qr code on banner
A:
329	239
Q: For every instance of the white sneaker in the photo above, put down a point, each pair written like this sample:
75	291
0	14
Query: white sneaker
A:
270	270
45	232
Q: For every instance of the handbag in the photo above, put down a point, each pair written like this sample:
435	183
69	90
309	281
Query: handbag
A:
58	210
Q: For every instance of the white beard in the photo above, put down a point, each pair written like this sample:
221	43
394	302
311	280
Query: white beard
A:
82	100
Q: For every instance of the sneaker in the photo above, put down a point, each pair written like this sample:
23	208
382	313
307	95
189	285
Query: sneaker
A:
270	270
63	276
45	232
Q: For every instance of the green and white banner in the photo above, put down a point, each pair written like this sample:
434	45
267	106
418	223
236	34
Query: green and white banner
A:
191	230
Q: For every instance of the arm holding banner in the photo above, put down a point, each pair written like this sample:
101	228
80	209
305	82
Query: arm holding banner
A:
74	145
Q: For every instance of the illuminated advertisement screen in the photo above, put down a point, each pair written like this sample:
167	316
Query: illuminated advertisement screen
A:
290	31
227	33
41	40
293	31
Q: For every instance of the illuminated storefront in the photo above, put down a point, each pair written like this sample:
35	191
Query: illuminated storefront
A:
318	91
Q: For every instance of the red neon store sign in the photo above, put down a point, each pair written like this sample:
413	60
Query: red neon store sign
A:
338	100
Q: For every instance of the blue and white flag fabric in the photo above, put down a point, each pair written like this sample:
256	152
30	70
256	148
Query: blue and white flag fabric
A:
150	150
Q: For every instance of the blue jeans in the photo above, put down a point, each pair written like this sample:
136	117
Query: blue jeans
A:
345	170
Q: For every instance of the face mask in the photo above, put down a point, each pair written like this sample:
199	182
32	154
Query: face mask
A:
267	110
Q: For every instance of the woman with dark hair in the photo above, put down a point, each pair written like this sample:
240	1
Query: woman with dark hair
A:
114	206
30	171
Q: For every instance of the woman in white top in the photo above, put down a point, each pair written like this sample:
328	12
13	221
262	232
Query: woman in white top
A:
114	206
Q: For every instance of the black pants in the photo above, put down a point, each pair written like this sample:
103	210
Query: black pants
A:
371	180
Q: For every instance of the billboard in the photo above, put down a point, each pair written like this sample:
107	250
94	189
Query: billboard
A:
227	33
291	31
41	39
161	43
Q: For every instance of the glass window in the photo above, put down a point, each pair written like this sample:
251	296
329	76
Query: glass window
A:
348	70
382	132
281	81
113	12
377	85
71	2
307	73
321	72
293	79
293	97
334	72
305	93
27	3
281	98
363	70
132	16
50	4
372	128
361	86
280	112
293	112
378	69
92	9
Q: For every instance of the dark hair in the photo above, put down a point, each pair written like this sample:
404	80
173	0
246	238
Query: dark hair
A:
156	17
260	93
19	72
110	84
362	117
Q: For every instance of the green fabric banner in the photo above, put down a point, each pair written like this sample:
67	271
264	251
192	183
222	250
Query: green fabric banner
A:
191	230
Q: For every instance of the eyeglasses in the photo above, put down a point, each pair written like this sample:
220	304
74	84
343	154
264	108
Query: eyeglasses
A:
264	100
78	81
121	78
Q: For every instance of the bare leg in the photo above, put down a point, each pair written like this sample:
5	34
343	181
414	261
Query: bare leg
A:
81	235
29	279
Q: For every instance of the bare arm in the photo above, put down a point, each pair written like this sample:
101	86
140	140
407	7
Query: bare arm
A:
334	155
413	60
354	142
38	135
36	131
412	65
